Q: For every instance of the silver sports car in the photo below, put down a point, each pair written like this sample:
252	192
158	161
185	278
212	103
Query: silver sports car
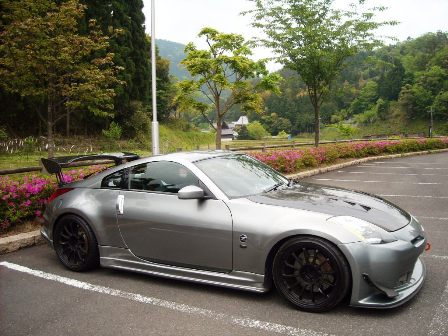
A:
226	219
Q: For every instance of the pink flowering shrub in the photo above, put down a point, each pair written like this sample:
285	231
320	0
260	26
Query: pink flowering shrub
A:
291	161
25	198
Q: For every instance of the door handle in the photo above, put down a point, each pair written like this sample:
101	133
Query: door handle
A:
120	204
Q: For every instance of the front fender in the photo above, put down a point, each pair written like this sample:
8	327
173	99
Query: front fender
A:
266	225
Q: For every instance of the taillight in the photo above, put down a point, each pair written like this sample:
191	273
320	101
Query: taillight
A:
58	193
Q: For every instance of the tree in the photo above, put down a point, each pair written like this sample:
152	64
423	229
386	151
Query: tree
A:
314	39
275	124
256	131
130	46
43	56
222	74
366	99
415	100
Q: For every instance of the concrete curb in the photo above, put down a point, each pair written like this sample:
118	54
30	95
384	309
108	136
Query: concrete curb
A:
22	240
19	241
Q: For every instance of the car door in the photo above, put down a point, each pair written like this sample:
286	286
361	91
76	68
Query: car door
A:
158	226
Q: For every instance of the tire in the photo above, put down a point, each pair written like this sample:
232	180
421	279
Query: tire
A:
311	273
75	244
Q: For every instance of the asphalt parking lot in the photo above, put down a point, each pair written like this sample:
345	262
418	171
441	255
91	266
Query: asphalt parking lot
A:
40	297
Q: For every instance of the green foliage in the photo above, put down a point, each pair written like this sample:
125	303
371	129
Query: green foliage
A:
113	133
222	74
291	161
314	39
368	117
29	144
440	106
256	131
172	138
3	134
345	130
366	99
140	123
274	124
42	55
243	133
282	135
124	22
414	100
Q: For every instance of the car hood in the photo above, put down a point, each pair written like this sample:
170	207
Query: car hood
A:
337	202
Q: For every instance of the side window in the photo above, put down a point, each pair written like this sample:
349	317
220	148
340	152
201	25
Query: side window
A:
161	176
116	180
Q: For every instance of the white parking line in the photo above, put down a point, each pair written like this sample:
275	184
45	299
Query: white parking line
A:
375	181
411	163
183	308
396	167
436	218
395	174
439	323
434	256
414	196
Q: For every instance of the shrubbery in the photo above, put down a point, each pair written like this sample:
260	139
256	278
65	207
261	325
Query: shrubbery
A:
291	161
25	198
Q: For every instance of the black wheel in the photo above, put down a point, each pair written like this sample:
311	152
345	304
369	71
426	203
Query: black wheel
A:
75	244
311	273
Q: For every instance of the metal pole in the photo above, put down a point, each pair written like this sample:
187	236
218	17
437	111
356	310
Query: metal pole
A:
155	123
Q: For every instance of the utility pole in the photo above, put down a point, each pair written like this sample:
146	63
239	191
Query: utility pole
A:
155	123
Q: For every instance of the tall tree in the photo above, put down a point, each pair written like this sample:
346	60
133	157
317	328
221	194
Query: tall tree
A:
130	46
222	74
43	56
314	39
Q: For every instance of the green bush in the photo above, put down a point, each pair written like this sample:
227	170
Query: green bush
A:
256	130
309	160
112	135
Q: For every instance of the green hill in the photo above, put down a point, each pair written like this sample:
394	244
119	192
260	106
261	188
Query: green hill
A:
174	52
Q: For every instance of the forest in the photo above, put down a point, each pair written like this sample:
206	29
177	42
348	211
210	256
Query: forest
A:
389	89
397	85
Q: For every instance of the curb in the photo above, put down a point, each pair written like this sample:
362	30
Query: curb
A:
19	241
308	173
22	240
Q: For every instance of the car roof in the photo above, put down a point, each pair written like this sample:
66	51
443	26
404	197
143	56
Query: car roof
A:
193	156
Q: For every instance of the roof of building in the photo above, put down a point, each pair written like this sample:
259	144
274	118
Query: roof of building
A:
243	120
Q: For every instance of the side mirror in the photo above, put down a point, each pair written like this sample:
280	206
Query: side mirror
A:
190	192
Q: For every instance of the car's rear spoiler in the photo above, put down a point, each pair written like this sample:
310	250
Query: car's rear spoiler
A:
54	165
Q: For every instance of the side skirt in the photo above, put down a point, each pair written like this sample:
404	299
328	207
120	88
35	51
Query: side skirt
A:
123	259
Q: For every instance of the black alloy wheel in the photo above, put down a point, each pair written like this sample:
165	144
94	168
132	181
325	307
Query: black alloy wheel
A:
311	273
75	244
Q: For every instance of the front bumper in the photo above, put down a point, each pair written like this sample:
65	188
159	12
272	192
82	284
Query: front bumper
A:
387	275
379	299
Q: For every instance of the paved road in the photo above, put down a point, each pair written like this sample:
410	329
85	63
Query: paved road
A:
43	298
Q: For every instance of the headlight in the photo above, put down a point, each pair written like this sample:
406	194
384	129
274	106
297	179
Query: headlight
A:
365	231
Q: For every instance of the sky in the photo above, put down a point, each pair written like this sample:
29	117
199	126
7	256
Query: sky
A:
181	20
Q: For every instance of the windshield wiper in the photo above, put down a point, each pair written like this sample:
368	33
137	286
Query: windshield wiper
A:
274	187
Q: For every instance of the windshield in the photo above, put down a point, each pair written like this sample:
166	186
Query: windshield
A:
240	175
